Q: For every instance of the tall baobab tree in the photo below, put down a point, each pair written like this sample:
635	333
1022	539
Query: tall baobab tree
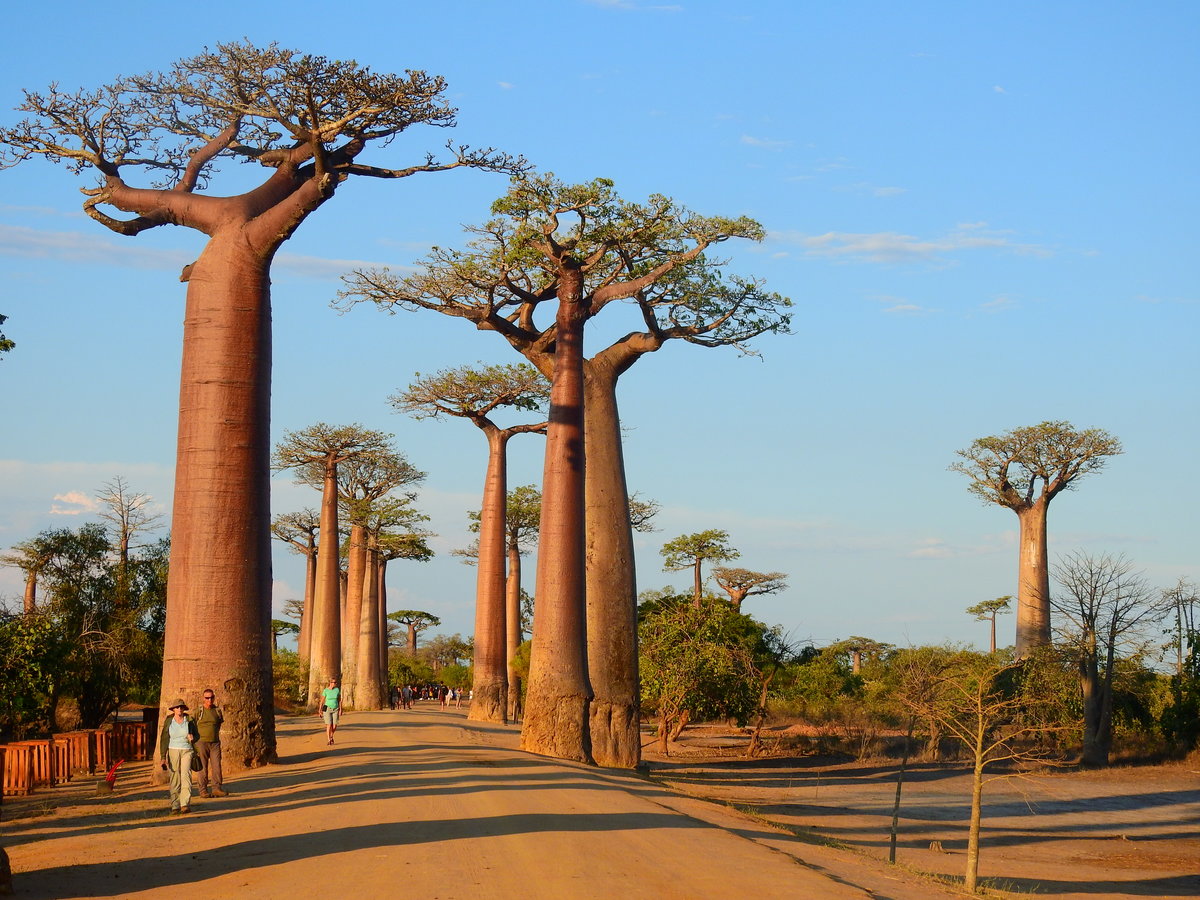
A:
415	621
392	532
476	394
548	241
987	610
692	551
742	583
31	557
316	452
305	121
1023	470
299	530
364	483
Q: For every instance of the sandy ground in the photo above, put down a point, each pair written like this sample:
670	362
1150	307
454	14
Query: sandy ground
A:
1122	832
426	804
420	804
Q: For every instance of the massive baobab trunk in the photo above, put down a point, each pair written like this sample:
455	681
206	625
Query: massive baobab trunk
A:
325	636
556	706
219	602
612	652
1033	576
512	625
356	559
368	693
489	703
310	589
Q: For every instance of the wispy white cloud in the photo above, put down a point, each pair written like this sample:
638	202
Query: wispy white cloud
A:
73	503
505	85
895	247
764	143
78	247
998	89
899	306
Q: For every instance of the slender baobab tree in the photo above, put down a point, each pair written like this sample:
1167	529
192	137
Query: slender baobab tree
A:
31	557
1023	470
299	531
415	621
549	240
692	551
987	610
391	529
316	452
305	121
742	583
477	394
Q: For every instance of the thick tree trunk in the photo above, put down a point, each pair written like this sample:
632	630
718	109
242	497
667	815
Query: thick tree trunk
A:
556	705
490	700
612	651
325	638
218	617
512	627
1033	580
356	559
310	587
1096	692
379	568
369	693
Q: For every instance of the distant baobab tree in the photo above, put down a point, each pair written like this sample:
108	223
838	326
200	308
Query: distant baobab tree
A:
1023	470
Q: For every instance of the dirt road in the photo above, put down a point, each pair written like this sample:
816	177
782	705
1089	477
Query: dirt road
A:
422	804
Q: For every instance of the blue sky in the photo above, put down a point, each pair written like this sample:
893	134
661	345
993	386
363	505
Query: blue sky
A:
985	216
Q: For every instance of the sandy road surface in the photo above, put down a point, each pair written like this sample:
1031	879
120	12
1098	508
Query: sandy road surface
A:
423	804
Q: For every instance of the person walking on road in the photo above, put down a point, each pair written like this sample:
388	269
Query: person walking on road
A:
208	747
176	742
331	708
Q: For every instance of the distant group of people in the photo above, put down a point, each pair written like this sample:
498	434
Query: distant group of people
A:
402	696
190	744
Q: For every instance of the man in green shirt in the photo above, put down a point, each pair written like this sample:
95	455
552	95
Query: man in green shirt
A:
208	748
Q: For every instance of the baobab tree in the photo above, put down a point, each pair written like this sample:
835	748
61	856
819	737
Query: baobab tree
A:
476	394
31	557
392	532
987	610
316	452
1024	470
299	531
416	621
585	239
305	121
365	485
691	551
742	583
